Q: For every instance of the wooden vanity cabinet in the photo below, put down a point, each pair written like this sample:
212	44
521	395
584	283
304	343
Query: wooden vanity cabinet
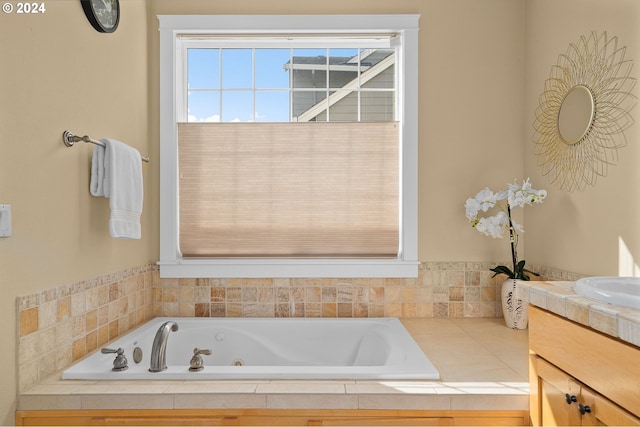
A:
579	376
567	402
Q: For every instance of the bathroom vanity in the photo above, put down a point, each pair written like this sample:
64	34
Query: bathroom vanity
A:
584	360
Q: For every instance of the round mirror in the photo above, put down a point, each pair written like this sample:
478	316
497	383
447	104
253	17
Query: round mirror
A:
576	114
575	141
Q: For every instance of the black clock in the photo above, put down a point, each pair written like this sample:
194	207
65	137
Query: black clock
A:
104	15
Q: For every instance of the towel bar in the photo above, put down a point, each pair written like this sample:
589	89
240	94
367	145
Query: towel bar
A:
69	139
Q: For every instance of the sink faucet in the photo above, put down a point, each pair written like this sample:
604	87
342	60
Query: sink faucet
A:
159	347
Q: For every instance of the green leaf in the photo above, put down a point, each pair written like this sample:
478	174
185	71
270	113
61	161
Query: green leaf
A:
501	269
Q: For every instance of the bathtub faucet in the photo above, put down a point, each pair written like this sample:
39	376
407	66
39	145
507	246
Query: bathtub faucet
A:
159	347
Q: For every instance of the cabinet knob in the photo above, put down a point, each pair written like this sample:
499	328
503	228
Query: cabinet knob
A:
584	409
570	399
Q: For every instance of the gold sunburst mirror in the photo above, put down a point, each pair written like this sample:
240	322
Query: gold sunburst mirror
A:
583	112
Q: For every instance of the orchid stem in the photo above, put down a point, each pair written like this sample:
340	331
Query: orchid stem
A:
512	237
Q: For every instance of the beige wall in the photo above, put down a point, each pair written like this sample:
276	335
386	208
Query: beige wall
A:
580	231
480	76
57	73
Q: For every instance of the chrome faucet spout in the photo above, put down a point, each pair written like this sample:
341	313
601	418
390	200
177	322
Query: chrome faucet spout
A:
159	347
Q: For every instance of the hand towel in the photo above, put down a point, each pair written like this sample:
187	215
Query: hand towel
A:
97	171
120	180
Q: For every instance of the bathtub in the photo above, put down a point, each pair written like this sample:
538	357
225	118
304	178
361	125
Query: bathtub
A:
268	348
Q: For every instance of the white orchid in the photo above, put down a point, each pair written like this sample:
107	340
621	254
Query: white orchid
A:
484	200
525	195
494	226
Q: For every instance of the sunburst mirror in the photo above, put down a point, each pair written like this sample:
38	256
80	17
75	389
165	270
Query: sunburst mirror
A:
584	111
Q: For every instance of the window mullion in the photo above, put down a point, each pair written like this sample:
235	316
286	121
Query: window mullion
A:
291	87
327	87
359	89
253	84
220	83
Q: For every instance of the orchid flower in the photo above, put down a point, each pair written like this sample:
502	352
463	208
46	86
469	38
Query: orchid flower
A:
495	226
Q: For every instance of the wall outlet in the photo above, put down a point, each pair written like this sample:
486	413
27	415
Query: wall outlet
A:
5	220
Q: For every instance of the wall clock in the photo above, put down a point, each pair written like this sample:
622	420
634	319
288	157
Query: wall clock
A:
104	15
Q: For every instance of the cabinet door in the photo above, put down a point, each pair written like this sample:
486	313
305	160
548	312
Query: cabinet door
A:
566	402
559	395
599	411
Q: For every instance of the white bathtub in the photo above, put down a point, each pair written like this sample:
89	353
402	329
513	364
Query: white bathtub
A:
268	348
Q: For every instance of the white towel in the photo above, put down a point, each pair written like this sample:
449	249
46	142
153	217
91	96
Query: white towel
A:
116	173
97	171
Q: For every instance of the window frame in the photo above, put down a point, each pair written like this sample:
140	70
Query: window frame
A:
172	264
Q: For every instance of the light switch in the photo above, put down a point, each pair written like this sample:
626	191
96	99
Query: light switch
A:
5	220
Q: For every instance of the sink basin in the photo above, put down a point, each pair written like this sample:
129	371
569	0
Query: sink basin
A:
622	291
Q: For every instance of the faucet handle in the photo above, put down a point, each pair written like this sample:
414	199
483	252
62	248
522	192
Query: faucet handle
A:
196	363
197	351
119	351
120	363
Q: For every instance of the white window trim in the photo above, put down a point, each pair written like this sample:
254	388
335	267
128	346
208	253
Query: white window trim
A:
171	262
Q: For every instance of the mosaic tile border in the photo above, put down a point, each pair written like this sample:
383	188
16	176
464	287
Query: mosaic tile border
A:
450	289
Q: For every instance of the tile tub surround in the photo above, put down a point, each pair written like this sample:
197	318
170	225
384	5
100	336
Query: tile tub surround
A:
444	289
59	325
483	366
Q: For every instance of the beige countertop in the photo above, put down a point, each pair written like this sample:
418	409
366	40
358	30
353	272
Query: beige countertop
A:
483	366
560	298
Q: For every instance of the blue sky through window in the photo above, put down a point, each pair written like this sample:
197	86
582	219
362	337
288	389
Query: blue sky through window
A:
263	85
231	70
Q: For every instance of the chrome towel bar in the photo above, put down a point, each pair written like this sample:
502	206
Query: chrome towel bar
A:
69	139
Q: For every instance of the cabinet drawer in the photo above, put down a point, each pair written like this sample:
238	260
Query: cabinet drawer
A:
605	412
603	363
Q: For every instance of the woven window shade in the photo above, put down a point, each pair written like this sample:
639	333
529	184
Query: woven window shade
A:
289	189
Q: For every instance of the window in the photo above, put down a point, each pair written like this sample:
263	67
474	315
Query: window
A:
288	146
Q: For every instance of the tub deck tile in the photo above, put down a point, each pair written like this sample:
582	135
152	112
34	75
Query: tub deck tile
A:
139	389
126	400
404	402
479	402
50	401
314	401
209	387
392	387
301	388
219	401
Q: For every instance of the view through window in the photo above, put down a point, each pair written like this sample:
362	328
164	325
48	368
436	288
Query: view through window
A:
283	85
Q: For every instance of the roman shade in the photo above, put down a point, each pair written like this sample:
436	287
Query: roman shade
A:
289	189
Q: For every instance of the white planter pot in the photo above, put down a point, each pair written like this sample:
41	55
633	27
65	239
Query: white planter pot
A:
514	305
